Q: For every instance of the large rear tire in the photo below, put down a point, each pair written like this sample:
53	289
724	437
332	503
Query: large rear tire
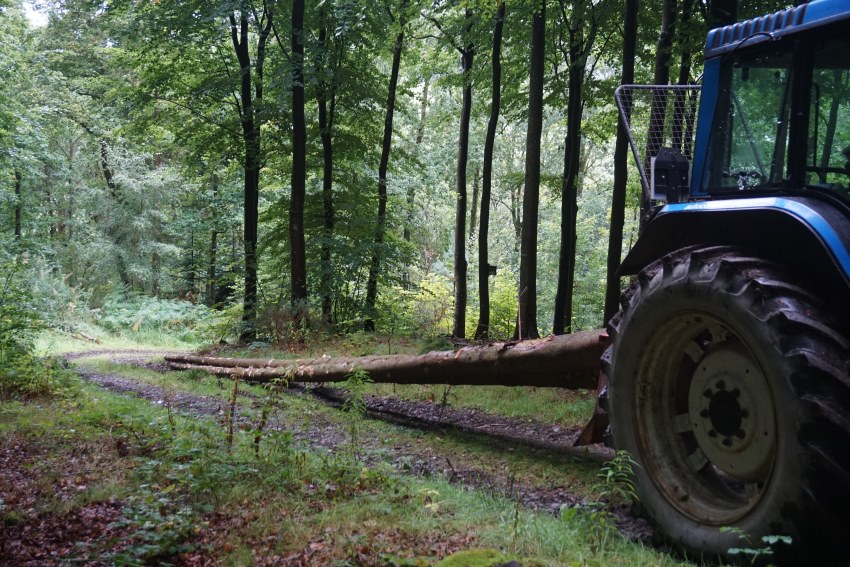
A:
729	386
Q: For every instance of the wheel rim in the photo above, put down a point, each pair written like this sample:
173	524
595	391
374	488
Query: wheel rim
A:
705	423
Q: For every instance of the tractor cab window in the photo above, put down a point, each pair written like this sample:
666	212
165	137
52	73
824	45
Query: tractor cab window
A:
828	155
749	138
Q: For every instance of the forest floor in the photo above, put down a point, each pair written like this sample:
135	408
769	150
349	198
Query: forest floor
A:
392	490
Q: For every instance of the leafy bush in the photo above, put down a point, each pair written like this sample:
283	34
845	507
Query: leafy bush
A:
123	312
22	374
425	309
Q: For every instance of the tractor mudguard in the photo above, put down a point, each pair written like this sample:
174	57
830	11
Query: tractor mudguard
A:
811	234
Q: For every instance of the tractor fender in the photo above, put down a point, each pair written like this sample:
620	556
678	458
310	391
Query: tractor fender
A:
809	235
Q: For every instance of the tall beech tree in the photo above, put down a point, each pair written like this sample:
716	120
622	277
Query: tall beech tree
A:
251	99
621	168
297	245
576	53
482	331
327	62
386	145
467	52
658	106
526	327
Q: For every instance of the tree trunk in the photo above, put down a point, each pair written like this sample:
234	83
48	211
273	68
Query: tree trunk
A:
722	13
107	171
211	273
411	188
297	245
326	117
473	209
829	135
661	76
17	204
680	109
568	361
569	187
621	169
420	135
526	327
380	227
460	263
250	97
482	331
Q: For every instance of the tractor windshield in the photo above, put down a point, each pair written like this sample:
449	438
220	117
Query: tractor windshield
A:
752	140
749	140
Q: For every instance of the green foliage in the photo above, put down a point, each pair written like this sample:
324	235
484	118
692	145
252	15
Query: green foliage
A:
426	309
616	480
355	386
755	555
22	374
134	313
615	487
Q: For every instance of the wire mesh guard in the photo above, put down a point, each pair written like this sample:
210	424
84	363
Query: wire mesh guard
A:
658	116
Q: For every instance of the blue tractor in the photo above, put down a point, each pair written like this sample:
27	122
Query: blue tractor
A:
729	368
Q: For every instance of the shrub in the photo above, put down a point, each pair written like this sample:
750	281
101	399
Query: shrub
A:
22	374
123	312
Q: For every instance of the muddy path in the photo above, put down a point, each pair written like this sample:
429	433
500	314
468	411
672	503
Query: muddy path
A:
491	432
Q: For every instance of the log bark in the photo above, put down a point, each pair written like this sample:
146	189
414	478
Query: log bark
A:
565	361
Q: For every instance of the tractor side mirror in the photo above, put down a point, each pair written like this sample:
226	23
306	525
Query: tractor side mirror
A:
670	175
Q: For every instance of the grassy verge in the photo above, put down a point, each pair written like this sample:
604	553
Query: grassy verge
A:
185	488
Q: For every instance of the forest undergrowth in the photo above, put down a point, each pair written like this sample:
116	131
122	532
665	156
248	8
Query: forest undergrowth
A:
139	483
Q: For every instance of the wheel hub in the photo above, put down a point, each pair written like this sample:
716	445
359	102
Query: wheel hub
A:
731	410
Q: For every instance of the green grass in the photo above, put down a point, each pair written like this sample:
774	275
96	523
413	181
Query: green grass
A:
554	405
187	480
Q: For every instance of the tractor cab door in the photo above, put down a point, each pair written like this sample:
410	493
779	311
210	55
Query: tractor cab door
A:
828	154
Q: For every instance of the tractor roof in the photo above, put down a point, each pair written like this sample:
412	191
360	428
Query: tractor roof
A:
773	26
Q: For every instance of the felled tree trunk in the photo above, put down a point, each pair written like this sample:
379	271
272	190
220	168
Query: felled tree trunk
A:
565	361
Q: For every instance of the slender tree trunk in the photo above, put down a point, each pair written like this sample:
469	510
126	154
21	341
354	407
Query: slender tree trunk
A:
460	263
420	136
473	209
832	121
411	188
326	116
680	109
569	187
527	294
380	227
482	331
297	245
250	96
107	171
18	204
722	13
661	76
621	169
211	273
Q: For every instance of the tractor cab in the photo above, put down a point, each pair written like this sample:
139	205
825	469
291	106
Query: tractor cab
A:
775	113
